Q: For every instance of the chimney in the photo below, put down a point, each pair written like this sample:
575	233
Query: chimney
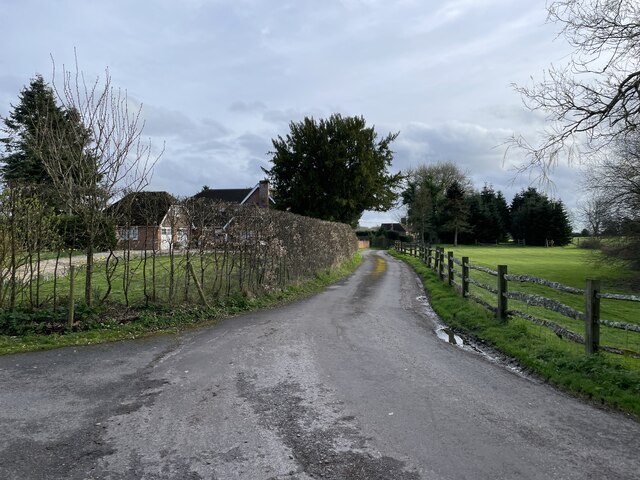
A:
263	194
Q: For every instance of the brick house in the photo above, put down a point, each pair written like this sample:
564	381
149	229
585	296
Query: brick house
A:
149	221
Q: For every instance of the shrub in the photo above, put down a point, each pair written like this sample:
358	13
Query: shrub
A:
590	243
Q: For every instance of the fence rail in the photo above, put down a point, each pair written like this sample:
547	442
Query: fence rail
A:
434	258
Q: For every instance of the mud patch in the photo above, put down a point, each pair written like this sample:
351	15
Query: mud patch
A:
335	452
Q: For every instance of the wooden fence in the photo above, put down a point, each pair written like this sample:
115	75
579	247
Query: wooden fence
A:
460	278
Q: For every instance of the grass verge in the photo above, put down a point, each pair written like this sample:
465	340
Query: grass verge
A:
598	378
109	325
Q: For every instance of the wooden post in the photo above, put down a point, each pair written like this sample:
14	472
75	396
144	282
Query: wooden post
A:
71	295
591	317
441	263
465	276
450	268
501	312
429	252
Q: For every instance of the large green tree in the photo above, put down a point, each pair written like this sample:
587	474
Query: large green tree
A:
455	213
538	220
333	169
489	217
24	145
30	152
425	197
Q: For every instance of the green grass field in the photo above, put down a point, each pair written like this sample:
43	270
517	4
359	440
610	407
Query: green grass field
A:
569	266
156	278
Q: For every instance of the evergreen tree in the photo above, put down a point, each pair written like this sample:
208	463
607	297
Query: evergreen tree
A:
489	216
538	220
455	213
42	143
25	128
333	169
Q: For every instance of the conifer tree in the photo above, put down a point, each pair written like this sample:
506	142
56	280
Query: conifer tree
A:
24	147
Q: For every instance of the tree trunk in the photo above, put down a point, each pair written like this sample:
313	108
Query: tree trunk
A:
89	274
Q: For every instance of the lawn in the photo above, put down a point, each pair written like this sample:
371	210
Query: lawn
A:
567	265
159	278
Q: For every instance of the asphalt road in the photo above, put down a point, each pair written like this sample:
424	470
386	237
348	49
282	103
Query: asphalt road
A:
349	384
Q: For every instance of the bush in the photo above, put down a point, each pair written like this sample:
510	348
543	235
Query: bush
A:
590	243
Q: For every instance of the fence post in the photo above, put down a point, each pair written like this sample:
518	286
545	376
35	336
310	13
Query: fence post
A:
441	263
465	276
591	317
429	252
450	268
71	295
501	312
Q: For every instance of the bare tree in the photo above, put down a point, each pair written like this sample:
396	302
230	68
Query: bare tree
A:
100	156
594	213
614	180
615	177
595	98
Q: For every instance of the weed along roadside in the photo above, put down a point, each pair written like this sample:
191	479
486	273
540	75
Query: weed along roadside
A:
544	342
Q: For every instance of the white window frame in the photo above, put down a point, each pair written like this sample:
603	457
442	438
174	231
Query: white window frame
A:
130	233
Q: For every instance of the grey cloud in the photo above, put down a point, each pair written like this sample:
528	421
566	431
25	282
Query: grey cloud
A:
160	121
284	117
247	107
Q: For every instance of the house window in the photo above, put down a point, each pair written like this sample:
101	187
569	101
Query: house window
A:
166	230
130	233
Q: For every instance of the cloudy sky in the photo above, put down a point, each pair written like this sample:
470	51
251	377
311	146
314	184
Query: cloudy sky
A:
218	79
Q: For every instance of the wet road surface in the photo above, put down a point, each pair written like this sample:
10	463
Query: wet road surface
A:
353	383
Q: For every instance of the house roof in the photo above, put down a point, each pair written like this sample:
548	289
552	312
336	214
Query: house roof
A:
394	227
231	195
142	208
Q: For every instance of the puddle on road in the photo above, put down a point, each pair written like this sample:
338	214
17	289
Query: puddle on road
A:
446	334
